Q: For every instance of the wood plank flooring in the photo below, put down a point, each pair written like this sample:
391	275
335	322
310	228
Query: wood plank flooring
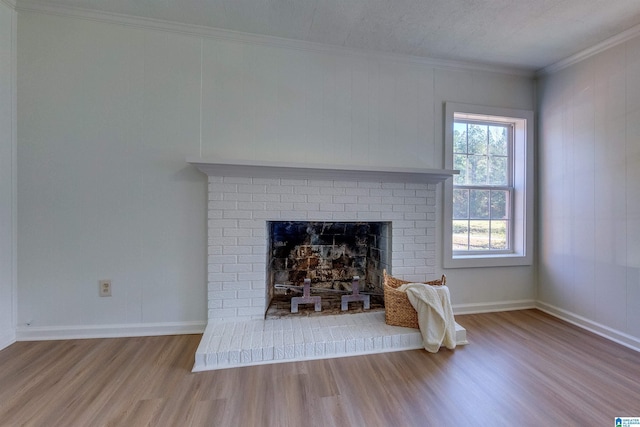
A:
521	368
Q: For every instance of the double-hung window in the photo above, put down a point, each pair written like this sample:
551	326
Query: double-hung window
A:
489	204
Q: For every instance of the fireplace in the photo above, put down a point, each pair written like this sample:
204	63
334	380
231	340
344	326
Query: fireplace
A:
330	254
246	199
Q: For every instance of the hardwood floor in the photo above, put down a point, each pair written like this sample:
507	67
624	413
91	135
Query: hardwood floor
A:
521	368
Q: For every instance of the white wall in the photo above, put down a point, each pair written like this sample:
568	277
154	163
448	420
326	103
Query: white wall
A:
108	114
590	193
8	298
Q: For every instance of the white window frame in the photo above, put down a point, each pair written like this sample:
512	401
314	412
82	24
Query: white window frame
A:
522	203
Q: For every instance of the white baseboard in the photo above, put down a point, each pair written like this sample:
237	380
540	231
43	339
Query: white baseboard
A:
6	339
34	333
598	329
490	307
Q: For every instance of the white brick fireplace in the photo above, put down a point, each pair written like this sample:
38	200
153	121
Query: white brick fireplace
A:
243	196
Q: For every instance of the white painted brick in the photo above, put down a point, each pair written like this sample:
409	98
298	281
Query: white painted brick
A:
222	223
238	197
259	197
291	215
266	181
404	208
357	192
416	186
279	206
319	199
236	302
320	183
279	189
251	311
250	259
251	277
223	188
370	200
211	214
294	182
415	200
236	232
417	216
213	179
322	216
345	216
222	313
380	208
393	200
236	180
237	268
214	250
366	184
237	214
333	207
345	184
252	188
224	277
306	206
222	259
307	190
404	193
236	286
332	191
236	250
222	295
293	198
356	207
251	206
381	192
369	216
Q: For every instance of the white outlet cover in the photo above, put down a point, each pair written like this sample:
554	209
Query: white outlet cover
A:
104	288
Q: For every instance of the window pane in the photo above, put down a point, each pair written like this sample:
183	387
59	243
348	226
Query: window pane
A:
478	235
460	204
477	139
479	204
460	163
498	137
460	235
459	137
498	171
499	205
477	170
499	234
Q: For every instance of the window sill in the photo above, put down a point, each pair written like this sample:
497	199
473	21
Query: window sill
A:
498	260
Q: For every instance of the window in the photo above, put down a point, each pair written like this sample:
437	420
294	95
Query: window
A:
489	205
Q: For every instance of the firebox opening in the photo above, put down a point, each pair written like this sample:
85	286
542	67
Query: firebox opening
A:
330	255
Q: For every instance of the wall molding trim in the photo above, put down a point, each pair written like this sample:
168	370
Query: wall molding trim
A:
31	333
240	37
10	3
6	340
491	307
591	326
589	52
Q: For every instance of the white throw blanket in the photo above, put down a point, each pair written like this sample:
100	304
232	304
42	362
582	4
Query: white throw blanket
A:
435	315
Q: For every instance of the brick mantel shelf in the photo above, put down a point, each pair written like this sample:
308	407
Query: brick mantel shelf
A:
262	169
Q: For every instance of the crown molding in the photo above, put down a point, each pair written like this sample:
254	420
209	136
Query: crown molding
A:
10	3
592	51
241	37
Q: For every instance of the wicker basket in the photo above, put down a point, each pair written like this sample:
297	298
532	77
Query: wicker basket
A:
398	310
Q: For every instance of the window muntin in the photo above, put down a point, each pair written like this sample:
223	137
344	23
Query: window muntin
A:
483	191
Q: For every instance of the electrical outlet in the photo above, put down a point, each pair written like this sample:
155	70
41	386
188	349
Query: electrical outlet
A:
104	288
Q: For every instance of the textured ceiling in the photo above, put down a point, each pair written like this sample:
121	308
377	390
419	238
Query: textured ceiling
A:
530	34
